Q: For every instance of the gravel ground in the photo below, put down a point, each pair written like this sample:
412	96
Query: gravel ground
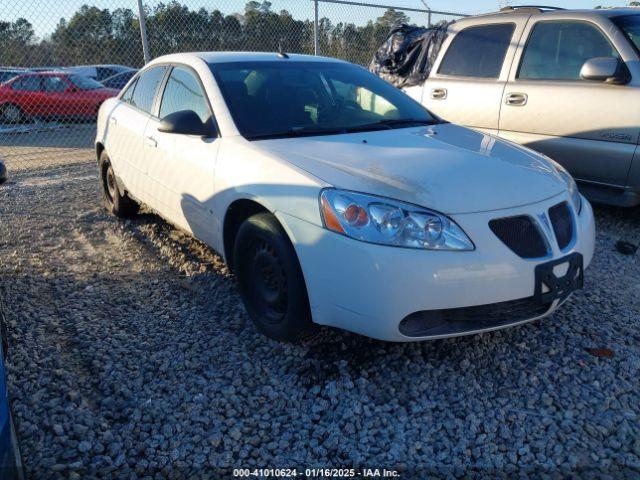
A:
131	356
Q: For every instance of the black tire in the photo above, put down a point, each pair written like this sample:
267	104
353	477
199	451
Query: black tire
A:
270	279
115	201
11	114
3	173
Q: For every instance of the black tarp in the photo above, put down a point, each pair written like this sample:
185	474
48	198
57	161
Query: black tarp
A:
407	56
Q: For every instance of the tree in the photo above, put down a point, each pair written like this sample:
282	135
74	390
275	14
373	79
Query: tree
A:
631	4
93	35
392	18
259	7
86	38
16	39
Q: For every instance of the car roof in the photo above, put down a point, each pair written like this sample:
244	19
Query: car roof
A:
560	12
110	65
227	57
131	72
48	73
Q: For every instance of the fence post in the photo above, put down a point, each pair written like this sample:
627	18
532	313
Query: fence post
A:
429	20
143	33
316	29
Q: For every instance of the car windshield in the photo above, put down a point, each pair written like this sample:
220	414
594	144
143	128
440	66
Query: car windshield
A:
630	25
85	83
280	99
6	75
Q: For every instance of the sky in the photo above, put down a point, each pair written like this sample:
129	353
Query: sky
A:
45	14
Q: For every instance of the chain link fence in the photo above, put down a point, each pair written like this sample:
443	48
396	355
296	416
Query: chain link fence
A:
60	60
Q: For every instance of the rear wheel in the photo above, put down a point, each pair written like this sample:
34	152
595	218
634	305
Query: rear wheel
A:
116	202
270	279
11	113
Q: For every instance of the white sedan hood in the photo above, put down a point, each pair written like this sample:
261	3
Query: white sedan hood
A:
444	167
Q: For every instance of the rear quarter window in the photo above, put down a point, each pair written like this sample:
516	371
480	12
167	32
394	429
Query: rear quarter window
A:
146	88
478	51
128	93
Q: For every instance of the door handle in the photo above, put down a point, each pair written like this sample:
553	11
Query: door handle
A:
113	120
516	99
150	141
439	93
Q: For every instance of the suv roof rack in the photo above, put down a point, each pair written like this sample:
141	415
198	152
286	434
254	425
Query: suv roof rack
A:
532	8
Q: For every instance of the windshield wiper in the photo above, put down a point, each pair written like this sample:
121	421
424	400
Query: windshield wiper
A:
386	124
297	132
392	122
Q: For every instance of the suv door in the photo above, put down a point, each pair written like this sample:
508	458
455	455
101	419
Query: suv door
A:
589	127
467	82
126	127
182	167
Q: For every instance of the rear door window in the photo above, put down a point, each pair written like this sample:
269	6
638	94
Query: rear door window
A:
478	51
53	84
557	50
146	88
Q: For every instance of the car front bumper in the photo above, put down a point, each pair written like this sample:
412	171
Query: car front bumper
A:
370	289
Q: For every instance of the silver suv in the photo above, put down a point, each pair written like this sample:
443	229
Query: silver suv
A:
564	82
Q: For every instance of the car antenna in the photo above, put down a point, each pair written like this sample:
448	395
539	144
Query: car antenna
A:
281	53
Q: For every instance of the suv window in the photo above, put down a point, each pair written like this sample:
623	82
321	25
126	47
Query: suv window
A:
184	92
630	25
556	50
478	51
29	84
146	87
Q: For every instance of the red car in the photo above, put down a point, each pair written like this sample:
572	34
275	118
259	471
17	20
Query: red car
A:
51	95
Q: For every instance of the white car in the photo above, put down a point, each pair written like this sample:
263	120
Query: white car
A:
338	200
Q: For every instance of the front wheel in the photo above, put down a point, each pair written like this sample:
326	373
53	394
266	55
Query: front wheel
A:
116	202
11	113
270	279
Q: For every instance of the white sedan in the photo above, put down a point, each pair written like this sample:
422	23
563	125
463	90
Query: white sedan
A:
338	200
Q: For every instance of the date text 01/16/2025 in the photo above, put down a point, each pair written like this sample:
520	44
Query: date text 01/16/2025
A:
316	473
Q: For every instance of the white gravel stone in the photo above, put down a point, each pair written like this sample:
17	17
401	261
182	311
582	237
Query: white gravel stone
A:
131	356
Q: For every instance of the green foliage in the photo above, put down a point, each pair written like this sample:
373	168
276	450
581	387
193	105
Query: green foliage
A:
94	35
14	37
392	18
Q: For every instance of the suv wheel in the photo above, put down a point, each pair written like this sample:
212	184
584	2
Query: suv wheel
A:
270	279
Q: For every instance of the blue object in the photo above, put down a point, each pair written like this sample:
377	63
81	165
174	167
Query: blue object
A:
10	464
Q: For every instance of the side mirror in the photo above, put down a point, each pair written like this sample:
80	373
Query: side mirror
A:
605	69
186	122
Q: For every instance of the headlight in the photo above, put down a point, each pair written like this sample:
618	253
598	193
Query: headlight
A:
576	199
389	222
